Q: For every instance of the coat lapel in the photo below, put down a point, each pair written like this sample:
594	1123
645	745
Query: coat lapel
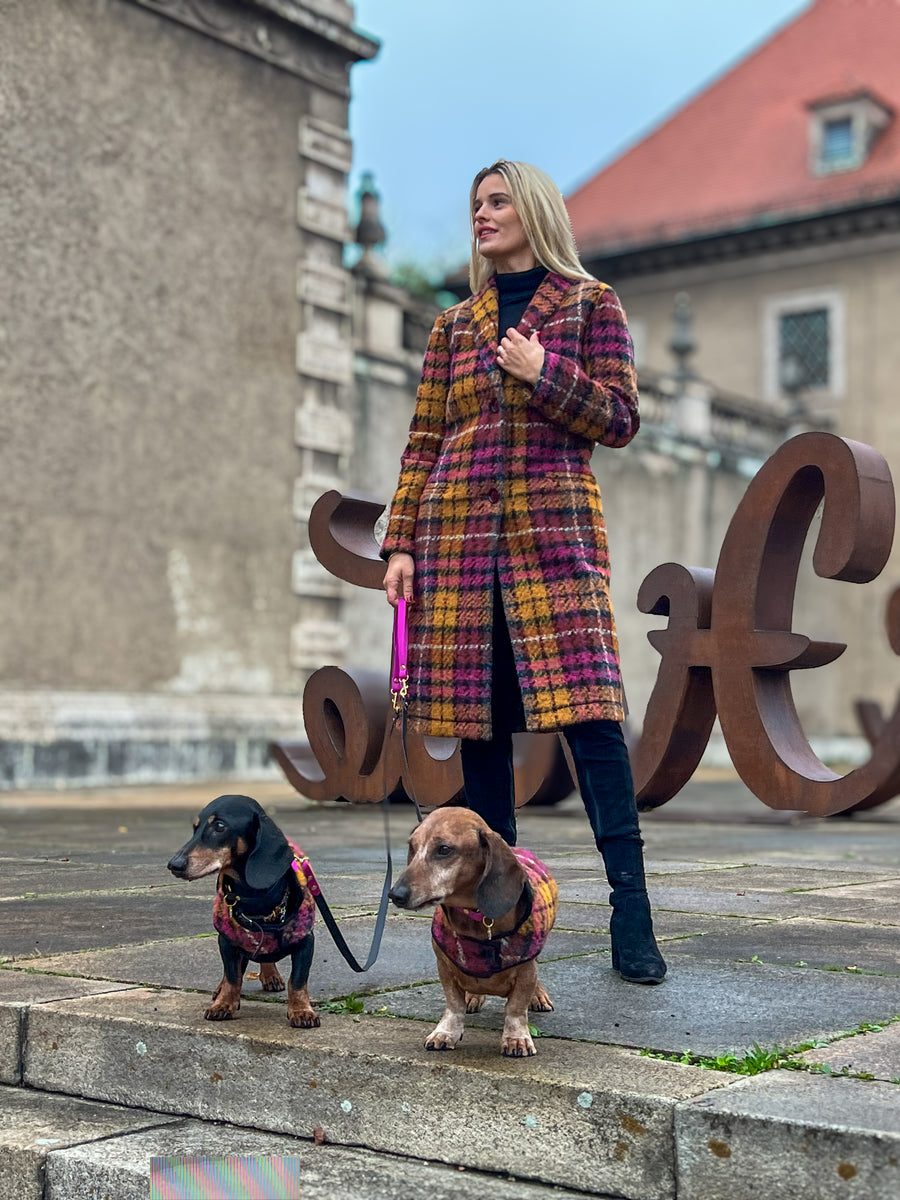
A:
485	318
544	303
486	315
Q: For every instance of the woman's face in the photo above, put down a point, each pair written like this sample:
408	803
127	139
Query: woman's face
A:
499	233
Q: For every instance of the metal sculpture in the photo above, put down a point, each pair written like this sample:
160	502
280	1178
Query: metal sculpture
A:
727	650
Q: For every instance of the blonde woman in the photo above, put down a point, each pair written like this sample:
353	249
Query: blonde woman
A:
496	528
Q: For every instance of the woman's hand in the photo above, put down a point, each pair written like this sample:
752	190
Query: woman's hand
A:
398	578
520	356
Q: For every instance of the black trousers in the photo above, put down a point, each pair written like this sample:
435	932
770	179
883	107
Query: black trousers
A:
598	750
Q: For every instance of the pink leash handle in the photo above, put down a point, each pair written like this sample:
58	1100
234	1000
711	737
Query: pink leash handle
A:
399	651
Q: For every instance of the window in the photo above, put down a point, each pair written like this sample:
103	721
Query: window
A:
803	345
843	132
804	349
837	142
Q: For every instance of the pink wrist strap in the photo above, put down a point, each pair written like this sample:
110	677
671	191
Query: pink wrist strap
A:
399	681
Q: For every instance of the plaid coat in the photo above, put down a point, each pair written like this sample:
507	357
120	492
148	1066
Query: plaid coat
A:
497	476
483	957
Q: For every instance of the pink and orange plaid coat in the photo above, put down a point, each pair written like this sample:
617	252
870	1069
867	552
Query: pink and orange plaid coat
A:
497	476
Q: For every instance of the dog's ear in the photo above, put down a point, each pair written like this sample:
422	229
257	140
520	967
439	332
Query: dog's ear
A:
504	877
270	856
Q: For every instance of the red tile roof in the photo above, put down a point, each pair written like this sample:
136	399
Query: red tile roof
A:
738	153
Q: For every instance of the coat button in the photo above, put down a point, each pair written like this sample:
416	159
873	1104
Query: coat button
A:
493	496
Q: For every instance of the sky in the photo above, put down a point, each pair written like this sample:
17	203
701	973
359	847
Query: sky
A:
565	84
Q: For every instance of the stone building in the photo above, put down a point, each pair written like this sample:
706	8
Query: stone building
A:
772	198
176	377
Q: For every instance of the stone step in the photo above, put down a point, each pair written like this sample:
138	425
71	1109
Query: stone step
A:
598	1119
591	1118
60	1148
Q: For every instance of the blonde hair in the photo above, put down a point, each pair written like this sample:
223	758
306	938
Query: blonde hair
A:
542	211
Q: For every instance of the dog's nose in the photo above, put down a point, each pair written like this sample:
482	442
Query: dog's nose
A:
399	893
177	864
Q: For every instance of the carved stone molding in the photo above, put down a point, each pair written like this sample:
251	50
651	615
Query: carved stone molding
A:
325	286
277	31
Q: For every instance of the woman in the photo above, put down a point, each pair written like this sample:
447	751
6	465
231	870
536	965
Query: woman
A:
497	526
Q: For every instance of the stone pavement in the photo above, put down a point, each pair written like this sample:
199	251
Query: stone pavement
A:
779	932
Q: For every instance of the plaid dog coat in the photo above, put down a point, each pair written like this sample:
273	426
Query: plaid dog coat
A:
267	938
482	959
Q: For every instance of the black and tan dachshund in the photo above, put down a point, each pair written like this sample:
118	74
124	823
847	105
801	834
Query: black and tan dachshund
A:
263	908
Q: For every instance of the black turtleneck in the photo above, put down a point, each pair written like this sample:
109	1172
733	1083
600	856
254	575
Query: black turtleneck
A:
514	292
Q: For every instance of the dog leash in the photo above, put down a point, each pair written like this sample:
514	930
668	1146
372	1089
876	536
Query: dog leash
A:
400	692
328	917
399	696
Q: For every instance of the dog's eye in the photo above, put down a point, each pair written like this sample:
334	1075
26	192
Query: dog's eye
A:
218	825
443	851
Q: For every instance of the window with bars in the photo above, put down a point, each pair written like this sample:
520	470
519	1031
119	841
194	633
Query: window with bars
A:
804	350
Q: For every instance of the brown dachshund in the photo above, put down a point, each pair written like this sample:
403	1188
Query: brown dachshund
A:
495	907
263	909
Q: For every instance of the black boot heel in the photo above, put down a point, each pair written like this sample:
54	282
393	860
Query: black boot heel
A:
635	954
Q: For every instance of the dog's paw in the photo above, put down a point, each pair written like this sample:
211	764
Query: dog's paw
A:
221	1012
517	1047
303	1018
474	1002
440	1040
270	979
540	1001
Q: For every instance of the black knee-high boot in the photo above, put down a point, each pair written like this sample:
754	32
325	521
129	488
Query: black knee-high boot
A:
604	776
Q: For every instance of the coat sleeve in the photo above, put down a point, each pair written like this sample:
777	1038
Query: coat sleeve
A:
598	398
426	433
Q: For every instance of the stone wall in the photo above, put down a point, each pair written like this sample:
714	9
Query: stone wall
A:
174	215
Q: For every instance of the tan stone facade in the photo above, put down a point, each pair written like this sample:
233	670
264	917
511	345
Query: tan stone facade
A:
849	266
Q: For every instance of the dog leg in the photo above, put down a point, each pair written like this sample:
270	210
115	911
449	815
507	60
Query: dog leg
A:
475	1001
540	1001
270	978
517	1041
300	1013
227	996
449	1029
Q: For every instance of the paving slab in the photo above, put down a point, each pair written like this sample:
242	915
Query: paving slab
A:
19	990
877	903
860	902
34	1125
589	1118
788	1134
33	877
119	1167
796	942
707	1007
876	1054
738	844
37	928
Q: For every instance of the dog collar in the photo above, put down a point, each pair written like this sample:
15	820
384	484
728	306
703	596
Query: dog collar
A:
474	915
